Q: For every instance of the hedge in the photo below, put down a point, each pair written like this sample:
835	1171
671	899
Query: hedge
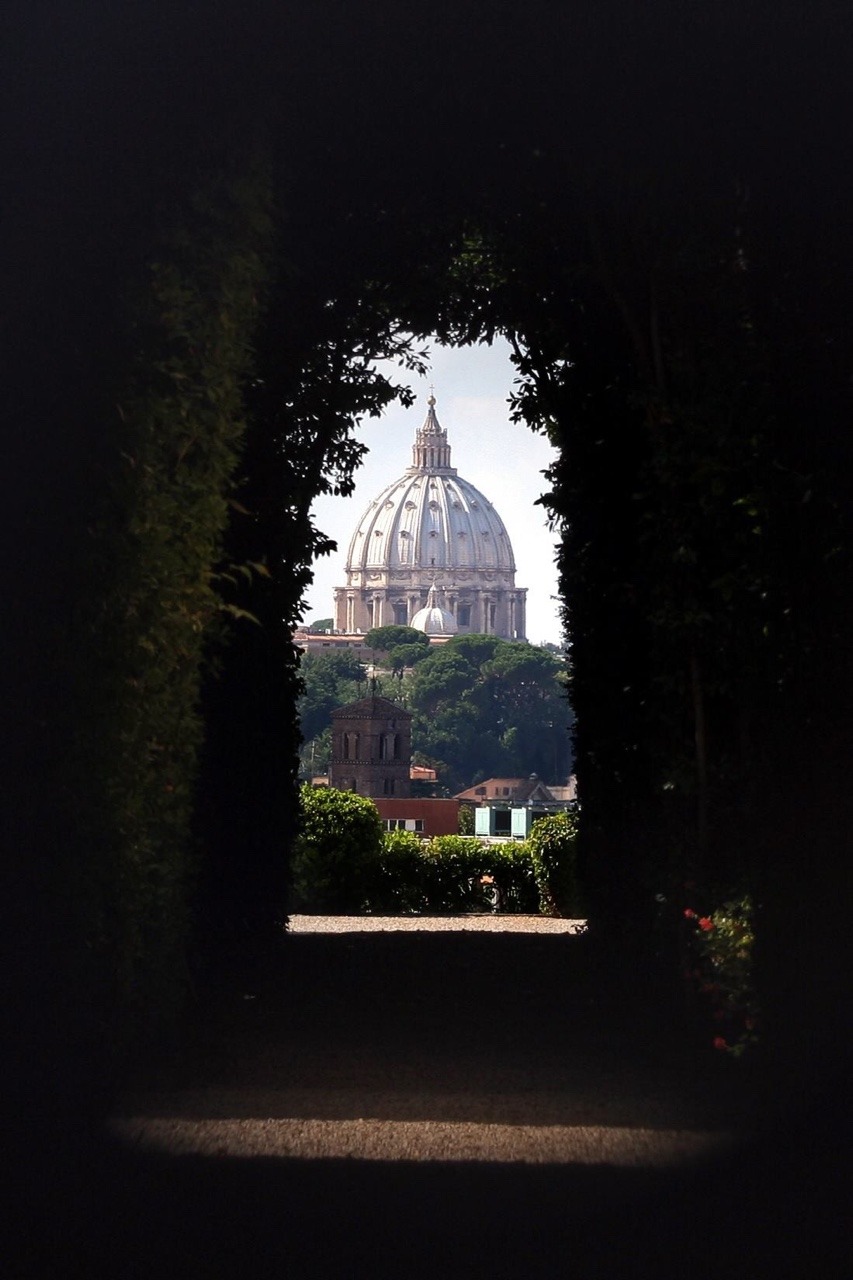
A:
345	863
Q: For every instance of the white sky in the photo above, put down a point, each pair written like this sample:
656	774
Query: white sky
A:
503	460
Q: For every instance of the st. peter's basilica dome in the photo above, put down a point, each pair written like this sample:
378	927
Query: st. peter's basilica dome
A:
431	530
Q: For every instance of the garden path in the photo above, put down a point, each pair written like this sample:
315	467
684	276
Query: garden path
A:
444	1102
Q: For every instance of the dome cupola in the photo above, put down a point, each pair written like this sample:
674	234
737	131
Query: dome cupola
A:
432	619
431	531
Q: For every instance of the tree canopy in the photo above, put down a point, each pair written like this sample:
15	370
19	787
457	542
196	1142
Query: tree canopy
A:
329	680
386	638
485	707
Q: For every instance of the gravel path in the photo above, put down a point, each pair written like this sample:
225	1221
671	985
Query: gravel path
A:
437	1100
434	924
429	1038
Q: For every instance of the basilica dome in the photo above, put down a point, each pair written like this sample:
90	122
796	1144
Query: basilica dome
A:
430	528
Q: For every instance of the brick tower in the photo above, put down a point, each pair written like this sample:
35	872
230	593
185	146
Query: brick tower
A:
371	748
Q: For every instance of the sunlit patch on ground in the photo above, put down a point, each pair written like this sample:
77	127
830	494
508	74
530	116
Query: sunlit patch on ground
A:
434	924
424	1140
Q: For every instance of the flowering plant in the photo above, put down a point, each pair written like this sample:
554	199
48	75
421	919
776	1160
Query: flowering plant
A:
722	969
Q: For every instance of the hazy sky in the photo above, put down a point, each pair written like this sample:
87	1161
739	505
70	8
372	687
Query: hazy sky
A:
503	460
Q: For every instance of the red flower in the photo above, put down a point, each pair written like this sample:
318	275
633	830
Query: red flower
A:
720	1043
706	924
689	913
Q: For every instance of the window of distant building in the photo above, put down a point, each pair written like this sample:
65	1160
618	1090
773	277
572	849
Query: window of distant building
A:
463	615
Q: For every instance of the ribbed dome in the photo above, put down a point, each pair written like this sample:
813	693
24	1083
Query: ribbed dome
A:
431	529
430	518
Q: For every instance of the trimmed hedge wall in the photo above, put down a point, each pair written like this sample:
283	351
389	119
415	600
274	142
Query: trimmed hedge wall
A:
343	863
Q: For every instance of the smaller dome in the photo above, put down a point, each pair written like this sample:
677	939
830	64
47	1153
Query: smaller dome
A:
433	620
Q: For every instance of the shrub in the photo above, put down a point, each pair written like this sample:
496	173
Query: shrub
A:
552	848
452	874
337	851
722	945
511	867
344	862
453	871
397	884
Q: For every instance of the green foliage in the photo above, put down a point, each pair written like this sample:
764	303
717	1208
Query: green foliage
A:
452	874
466	819
552	843
491	706
401	656
337	850
343	862
398	886
156	604
329	680
452	868
387	638
722	973
513	872
321	625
